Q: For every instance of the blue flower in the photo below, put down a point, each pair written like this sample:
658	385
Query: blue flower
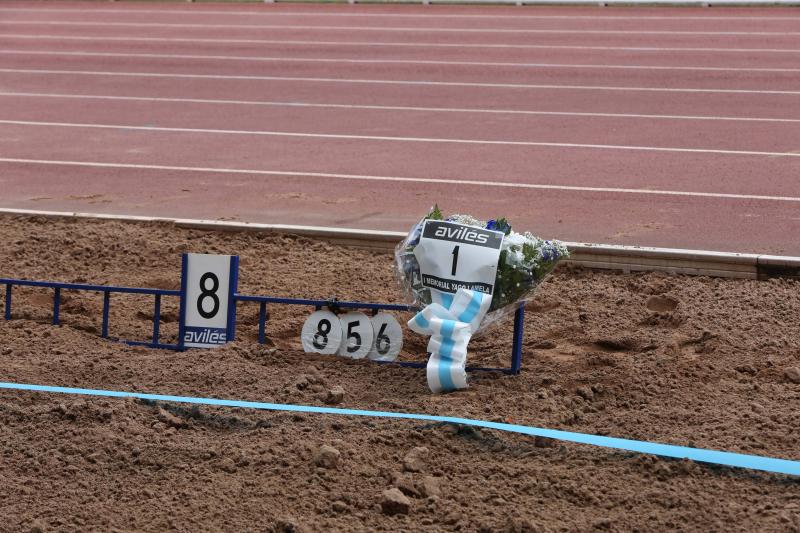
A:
550	251
415	235
500	224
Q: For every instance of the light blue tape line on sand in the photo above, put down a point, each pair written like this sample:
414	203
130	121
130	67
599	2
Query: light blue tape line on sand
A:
755	462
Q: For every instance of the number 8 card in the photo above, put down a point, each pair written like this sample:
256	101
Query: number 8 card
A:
207	287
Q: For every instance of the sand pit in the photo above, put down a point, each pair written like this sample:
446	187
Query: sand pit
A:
691	361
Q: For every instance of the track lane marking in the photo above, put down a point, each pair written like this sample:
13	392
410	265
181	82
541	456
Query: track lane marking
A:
388	138
412	29
363	177
356	61
397	15
396	44
394	82
394	108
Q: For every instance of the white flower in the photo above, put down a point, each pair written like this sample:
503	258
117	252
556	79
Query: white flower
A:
467	220
514	239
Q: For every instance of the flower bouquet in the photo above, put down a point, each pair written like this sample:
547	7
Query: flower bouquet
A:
524	261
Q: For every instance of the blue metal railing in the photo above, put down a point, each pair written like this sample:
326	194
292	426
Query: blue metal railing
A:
263	315
107	290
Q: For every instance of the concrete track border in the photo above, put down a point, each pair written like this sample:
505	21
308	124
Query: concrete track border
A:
589	255
625	3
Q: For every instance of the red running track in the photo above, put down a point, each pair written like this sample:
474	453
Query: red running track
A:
674	127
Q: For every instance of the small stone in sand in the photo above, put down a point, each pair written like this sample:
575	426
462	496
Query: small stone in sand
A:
335	395
431	486
414	461
792	374
394	502
327	457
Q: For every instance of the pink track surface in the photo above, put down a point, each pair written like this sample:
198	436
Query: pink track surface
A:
575	123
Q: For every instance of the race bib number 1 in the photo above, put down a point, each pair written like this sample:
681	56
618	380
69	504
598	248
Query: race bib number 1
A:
207	308
453	256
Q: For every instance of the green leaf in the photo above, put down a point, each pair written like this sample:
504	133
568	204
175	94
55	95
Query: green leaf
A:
435	214
503	225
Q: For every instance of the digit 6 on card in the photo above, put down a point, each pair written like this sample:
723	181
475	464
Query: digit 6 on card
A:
388	338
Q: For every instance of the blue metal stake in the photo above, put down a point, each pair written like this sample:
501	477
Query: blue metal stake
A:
262	322
156	318
182	313
232	288
516	351
56	305
58	286
264	301
106	305
8	301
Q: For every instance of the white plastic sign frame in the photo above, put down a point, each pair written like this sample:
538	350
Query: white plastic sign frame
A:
208	307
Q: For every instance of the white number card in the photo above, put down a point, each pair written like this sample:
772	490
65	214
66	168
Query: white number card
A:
388	338
356	335
208	283
322	333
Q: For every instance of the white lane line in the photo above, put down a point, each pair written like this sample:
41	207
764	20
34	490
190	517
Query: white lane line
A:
354	61
395	82
437	140
392	108
363	177
392	44
428	15
414	29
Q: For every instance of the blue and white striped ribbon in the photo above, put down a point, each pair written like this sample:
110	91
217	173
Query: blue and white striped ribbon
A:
450	320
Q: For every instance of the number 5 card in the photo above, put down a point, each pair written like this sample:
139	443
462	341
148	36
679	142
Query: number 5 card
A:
207	307
453	256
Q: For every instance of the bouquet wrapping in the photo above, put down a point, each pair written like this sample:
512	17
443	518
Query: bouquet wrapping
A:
524	261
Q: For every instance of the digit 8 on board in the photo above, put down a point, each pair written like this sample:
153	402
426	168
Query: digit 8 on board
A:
208	293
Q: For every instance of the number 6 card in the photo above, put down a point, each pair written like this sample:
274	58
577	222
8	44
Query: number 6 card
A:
453	256
388	338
